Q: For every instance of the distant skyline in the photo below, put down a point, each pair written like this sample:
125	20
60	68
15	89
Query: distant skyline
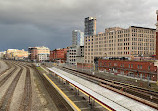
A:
29	23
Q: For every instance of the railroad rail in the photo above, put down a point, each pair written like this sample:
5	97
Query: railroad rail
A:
60	103
27	94
7	76
145	96
6	99
9	67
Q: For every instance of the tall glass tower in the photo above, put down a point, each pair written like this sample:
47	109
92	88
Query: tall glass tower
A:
77	38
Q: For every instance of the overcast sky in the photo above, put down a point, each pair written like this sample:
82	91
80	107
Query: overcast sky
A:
29	23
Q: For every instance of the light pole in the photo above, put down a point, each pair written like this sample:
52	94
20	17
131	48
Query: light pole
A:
82	66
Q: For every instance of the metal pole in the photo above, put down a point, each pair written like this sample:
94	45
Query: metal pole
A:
89	99
77	91
82	65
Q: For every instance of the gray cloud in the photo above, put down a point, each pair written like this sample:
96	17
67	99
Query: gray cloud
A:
25	23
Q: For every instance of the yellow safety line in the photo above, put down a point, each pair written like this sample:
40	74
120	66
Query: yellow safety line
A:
44	69
93	99
62	92
88	96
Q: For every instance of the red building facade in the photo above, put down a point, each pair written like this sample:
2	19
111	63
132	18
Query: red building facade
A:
58	55
139	69
85	65
32	53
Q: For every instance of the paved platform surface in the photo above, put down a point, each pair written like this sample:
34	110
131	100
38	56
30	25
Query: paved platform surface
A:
79	99
112	99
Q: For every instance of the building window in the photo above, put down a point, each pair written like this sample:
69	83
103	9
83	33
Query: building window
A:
109	64
148	67
131	65
138	66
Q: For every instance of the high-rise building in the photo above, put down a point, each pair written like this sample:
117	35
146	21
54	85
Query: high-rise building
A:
90	26
157	36
119	42
77	38
76	50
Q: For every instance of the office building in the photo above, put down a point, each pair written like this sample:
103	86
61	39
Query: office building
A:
90	26
75	55
119	42
39	53
77	38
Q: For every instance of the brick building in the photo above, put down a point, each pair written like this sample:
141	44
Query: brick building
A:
32	53
157	36
58	55
39	53
139	69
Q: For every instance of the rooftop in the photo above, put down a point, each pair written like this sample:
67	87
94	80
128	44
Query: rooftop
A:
90	18
143	27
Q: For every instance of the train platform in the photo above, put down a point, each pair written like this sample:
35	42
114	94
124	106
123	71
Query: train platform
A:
107	97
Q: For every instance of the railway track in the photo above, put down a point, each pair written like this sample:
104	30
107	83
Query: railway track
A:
7	76
27	94
145	96
60	103
6	99
9	67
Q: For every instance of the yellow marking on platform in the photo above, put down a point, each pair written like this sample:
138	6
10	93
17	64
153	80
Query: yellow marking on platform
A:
44	69
97	102
88	96
62	92
93	99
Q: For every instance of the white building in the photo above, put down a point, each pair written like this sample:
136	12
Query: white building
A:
77	38
75	53
43	57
